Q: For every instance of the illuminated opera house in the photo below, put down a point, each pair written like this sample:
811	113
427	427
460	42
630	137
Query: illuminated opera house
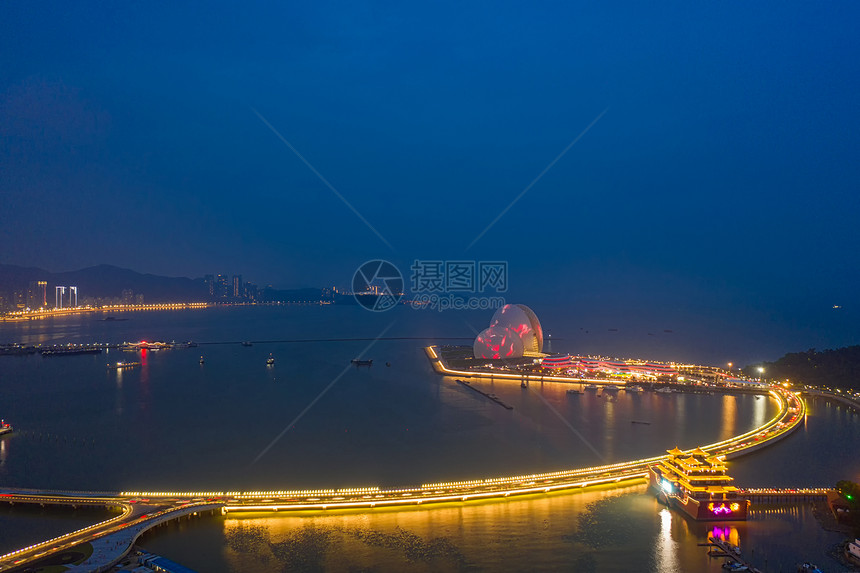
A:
514	332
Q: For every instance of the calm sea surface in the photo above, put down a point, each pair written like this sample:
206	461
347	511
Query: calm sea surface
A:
175	424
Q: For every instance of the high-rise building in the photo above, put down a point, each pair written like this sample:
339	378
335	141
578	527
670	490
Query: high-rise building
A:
237	286
37	295
250	292
127	296
222	289
210	284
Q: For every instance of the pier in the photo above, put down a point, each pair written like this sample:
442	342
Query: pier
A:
731	552
492	397
785	495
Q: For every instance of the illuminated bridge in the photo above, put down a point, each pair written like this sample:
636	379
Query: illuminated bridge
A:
141	510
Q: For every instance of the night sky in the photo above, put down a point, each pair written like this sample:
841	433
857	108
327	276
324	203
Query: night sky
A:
720	184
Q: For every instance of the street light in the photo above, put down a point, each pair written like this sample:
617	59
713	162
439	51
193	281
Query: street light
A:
761	372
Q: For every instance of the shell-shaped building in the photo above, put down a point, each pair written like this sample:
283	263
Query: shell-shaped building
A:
514	332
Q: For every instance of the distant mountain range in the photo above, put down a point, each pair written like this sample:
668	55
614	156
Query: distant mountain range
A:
105	281
108	281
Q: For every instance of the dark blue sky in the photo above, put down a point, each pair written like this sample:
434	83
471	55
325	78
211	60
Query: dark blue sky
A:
724	174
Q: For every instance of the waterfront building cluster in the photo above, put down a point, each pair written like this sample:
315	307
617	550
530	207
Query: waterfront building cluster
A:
587	365
227	288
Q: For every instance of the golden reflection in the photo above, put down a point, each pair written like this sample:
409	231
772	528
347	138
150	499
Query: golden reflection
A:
443	538
666	549
730	415
759	410
609	436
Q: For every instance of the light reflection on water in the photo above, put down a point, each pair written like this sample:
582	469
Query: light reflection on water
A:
666	548
730	412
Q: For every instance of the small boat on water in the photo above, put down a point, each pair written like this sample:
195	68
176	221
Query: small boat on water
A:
201	360
575	391
270	361
358	362
591	386
123	365
247	343
5	428
611	388
635	388
664	390
735	566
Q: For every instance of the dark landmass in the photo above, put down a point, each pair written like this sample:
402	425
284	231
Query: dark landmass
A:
105	281
838	368
108	282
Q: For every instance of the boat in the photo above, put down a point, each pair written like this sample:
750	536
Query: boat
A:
735	566
71	351
696	483
5	428
611	388
270	360
123	365
358	362
16	350
664	390
640	422
574	391
201	360
852	550
247	343
591	386
635	388
808	568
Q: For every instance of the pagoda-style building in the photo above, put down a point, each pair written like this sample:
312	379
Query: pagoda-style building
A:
696	482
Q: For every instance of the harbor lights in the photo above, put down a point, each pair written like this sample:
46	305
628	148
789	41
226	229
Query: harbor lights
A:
761	372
